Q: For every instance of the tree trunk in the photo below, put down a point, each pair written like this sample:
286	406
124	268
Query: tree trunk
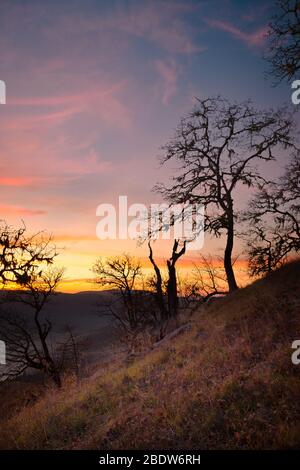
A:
51	370
172	281
172	290
158	286
232	285
56	378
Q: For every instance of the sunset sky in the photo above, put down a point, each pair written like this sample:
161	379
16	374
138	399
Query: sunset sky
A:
95	87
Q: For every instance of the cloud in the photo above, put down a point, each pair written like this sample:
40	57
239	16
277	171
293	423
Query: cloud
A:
168	72
10	210
54	170
86	165
161	23
15	181
101	102
54	139
65	237
256	38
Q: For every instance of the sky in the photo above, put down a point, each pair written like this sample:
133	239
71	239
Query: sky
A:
95	88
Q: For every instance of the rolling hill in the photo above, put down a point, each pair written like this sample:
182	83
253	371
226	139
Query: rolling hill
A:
225	381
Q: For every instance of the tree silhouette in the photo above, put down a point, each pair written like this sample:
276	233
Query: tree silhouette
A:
158	285
274	215
284	41
21	255
172	280
123	274
171	284
25	263
26	333
210	278
217	148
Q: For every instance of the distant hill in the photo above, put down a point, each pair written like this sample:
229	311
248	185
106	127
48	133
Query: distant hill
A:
226	380
79	312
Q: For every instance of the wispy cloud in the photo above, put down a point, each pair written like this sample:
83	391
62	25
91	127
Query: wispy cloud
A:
10	210
255	38
168	72
54	170
161	23
101	102
44	139
15	181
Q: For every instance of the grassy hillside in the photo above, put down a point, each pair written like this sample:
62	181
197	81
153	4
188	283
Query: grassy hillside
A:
227	381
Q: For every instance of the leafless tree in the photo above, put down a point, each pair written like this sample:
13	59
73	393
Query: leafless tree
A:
265	253
218	146
26	265
284	41
171	284
122	273
210	277
274	216
21	254
25	330
172	278
68	353
158	285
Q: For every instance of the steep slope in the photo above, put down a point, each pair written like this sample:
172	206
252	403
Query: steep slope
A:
226	382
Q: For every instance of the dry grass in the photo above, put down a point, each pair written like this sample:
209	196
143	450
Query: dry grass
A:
227	382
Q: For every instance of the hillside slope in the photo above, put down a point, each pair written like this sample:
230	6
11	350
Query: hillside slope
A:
226	382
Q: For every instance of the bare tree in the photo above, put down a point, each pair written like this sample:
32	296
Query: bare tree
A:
158	285
210	277
218	146
172	280
274	215
284	41
26	264
21	254
68	353
171	285
265	250
25	330
122	273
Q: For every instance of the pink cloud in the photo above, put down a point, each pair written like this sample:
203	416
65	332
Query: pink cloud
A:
101	102
168	72
161	23
15	181
53	170
9	210
153	22
45	142
256	38
86	165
